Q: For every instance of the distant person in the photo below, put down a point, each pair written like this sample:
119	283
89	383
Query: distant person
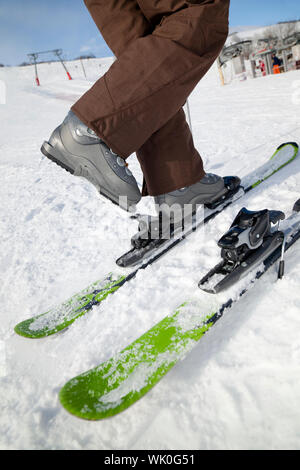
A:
163	49
276	64
262	67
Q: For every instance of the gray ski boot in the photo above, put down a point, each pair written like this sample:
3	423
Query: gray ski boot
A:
77	149
176	210
210	189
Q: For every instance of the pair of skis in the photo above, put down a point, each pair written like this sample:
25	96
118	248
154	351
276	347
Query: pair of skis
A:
119	382
116	384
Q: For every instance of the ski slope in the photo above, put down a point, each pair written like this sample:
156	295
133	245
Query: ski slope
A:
240	387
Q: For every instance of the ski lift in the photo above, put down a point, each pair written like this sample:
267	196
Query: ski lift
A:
33	57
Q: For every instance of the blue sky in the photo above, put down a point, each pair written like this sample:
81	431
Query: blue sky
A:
31	25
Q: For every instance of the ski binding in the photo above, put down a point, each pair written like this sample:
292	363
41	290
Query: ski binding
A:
251	239
155	231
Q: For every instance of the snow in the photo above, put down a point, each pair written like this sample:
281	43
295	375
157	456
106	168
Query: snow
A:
239	388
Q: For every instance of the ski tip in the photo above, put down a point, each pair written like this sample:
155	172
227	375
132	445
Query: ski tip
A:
297	206
23	329
294	144
287	145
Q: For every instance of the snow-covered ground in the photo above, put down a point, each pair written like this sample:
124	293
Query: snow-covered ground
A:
240	387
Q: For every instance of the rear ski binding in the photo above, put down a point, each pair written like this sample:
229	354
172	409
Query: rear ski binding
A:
250	240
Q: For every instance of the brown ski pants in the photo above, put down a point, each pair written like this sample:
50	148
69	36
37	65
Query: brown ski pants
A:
163	49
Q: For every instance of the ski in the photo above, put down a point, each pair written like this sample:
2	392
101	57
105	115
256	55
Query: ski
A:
62	316
116	384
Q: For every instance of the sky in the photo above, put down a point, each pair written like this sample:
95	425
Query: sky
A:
36	25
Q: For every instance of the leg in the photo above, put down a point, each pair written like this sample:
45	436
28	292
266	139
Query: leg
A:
150	93
153	77
168	159
76	148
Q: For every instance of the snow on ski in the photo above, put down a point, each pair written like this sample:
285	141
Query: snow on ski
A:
114	385
63	315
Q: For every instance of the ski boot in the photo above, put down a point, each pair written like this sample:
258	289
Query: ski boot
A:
77	149
210	190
